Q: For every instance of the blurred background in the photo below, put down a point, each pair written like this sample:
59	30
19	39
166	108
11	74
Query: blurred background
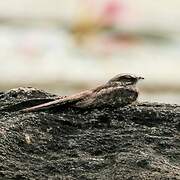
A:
67	46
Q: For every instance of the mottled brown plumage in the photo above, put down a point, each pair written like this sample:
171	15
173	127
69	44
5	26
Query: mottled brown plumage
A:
118	91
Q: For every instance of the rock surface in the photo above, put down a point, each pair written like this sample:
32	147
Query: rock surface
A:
140	141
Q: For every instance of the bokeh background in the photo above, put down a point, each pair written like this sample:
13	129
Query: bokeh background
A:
67	46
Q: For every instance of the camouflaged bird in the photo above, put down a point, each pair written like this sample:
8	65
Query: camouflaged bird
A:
119	91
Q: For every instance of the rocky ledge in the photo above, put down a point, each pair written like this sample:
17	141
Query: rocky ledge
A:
140	141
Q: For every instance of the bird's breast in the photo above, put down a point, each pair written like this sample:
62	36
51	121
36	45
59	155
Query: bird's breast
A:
117	96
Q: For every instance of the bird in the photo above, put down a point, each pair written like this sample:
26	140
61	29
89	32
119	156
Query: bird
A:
121	90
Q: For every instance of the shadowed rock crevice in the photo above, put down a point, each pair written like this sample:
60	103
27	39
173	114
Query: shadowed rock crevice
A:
140	141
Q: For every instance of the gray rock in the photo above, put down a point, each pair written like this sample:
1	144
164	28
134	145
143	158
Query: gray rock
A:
140	141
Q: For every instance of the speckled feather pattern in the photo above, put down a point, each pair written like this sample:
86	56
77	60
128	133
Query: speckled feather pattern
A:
113	93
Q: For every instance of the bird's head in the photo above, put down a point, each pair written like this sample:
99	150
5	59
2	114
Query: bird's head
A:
125	79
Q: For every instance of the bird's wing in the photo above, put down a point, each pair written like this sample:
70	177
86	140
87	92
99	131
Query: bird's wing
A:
99	88
59	102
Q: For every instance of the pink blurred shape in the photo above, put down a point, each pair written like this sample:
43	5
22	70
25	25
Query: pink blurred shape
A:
113	12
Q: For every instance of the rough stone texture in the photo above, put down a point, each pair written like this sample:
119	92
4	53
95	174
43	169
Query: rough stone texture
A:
141	141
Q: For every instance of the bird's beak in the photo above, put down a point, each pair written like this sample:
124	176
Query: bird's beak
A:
140	78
